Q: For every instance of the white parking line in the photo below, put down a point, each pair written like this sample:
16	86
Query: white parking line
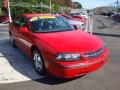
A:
3	32
4	39
13	71
4	24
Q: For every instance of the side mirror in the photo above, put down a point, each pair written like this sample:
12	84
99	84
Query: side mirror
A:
23	29
75	27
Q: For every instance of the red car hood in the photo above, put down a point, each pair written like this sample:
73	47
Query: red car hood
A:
71	41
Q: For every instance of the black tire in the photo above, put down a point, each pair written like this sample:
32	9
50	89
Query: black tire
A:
38	62
12	41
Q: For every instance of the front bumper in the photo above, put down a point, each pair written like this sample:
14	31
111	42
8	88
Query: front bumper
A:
79	69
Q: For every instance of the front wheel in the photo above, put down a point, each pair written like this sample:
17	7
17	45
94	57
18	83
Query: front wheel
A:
38	63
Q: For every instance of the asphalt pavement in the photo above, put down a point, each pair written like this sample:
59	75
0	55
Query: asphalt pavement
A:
14	65
106	78
4	31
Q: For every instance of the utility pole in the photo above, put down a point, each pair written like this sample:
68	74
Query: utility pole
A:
0	10
9	12
53	9
50	6
117	6
41	5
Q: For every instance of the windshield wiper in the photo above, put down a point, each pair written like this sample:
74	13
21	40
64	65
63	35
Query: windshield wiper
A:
51	31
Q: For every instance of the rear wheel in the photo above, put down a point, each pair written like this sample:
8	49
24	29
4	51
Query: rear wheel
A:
38	62
12	41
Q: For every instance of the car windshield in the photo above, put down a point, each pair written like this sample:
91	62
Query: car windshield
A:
50	24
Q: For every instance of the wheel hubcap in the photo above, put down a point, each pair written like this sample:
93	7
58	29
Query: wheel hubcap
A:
38	62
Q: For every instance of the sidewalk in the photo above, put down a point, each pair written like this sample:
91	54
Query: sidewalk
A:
1	24
14	66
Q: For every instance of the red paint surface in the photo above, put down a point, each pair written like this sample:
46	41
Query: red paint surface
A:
50	44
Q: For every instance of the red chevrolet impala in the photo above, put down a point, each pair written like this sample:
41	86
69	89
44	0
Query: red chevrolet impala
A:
55	47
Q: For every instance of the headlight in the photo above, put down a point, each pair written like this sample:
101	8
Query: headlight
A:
68	56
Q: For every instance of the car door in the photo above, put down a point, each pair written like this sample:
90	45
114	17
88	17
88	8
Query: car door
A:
15	28
24	38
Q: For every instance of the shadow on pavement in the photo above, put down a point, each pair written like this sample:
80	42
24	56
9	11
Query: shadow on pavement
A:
15	64
21	64
105	34
51	80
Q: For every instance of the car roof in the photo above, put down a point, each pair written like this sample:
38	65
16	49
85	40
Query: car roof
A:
36	15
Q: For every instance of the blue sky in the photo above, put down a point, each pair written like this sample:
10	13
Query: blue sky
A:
89	4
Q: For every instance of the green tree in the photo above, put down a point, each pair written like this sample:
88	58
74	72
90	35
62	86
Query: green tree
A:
56	6
79	5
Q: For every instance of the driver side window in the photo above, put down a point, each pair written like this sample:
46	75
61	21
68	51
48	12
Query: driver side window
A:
20	21
23	22
16	22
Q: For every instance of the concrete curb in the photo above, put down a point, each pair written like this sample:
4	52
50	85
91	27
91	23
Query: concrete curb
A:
21	80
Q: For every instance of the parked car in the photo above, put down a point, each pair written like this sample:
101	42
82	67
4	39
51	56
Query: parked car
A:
79	15
109	14
112	16
56	47
77	23
76	15
4	19
103	13
117	17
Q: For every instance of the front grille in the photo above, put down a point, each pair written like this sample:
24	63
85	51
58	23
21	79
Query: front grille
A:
94	54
